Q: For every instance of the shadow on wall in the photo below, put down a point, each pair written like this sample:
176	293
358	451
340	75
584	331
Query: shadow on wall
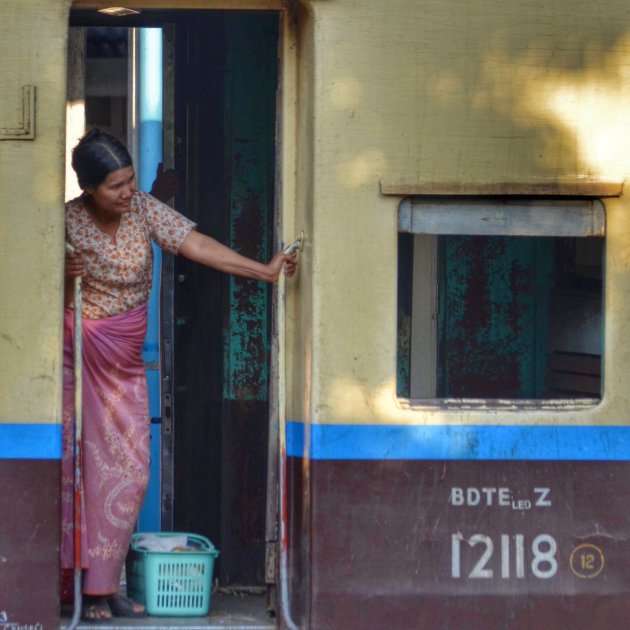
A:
500	94
579	112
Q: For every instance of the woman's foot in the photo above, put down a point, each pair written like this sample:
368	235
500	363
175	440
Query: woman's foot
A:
122	606
95	609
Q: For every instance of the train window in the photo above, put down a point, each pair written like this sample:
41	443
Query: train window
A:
500	299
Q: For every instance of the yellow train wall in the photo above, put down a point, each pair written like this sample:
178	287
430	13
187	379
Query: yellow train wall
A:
385	96
415	94
32	147
33	53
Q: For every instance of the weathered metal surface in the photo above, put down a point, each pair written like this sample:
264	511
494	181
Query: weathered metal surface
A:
199	300
492	322
249	93
29	545
250	85
224	115
243	492
414	544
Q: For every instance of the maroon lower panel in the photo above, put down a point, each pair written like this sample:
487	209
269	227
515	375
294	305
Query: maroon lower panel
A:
29	544
461	544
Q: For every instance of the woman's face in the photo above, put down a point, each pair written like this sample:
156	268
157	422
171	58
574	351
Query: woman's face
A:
114	194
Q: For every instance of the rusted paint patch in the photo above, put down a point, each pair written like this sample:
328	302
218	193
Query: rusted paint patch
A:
250	93
248	340
492	324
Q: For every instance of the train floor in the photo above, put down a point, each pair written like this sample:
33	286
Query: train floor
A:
233	611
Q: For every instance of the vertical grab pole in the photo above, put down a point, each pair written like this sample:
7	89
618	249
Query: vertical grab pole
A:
285	604
283	551
78	427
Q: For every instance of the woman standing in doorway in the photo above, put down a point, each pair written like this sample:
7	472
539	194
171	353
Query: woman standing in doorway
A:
111	226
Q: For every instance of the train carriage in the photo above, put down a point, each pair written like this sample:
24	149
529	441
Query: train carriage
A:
428	426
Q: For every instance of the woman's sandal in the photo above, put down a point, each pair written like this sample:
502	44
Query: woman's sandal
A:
122	606
95	609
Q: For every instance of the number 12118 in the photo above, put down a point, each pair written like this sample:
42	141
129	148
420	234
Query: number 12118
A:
511	553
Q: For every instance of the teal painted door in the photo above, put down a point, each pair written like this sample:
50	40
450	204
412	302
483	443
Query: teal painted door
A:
249	132
250	83
226	77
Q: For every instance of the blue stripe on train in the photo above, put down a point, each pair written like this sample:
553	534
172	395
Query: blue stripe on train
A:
369	441
30	441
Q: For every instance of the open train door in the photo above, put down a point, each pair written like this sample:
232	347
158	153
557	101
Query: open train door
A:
217	339
219	80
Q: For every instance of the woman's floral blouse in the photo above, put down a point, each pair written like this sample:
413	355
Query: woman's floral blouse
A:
119	270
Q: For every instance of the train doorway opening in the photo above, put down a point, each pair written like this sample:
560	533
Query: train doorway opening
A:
208	364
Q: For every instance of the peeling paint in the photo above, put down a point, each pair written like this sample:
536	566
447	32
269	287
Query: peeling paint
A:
251	171
492	323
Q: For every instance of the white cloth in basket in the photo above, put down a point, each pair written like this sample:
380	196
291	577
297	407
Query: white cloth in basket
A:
152	542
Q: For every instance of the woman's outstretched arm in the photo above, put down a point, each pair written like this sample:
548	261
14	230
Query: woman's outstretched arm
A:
208	251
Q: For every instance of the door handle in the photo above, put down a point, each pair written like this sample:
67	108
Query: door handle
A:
296	246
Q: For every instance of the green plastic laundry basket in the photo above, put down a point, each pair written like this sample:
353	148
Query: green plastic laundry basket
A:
172	583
